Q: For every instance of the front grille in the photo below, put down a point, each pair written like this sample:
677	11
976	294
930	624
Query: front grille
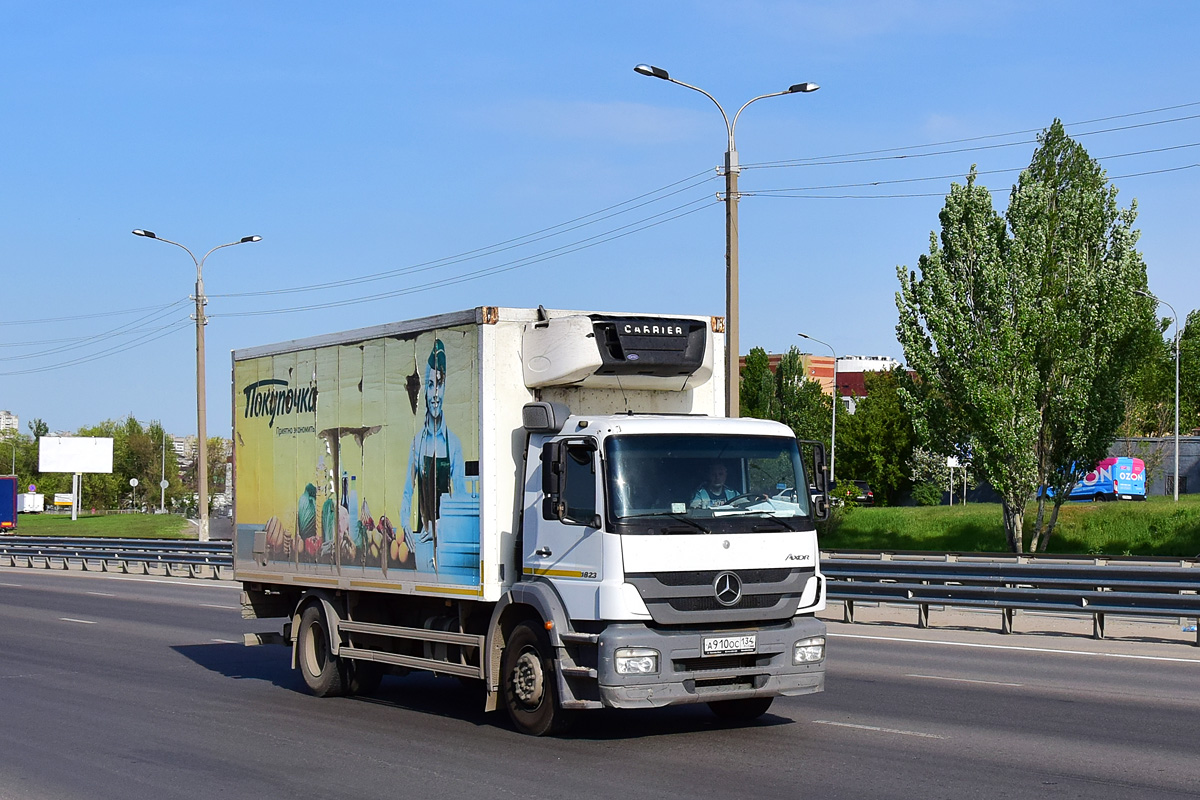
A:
689	597
711	604
714	663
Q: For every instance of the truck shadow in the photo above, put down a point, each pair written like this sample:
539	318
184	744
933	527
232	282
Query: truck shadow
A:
448	697
237	661
452	699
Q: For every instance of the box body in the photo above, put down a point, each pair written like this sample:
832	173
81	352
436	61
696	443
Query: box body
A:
357	468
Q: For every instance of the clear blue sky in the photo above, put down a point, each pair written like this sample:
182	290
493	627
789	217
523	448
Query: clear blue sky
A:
372	138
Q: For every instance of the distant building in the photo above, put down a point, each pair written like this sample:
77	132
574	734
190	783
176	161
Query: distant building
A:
817	368
9	421
851	385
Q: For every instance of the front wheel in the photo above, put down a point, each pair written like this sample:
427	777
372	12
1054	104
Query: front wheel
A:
529	686
741	710
324	673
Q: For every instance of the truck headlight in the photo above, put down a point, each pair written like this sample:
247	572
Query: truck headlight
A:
808	651
636	660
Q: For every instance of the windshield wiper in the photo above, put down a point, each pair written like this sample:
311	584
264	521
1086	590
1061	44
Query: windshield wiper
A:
673	515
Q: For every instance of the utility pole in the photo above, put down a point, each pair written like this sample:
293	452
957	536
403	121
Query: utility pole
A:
201	402
732	348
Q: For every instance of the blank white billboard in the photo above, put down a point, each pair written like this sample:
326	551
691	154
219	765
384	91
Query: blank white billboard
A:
75	454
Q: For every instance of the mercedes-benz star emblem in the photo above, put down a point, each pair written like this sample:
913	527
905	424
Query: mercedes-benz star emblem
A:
728	588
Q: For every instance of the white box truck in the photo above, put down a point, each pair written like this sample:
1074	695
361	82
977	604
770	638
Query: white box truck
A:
549	502
31	503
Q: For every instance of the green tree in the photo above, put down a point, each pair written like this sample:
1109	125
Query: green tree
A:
788	396
931	476
1067	228
1189	374
38	427
757	391
1047	316
965	327
1150	402
875	443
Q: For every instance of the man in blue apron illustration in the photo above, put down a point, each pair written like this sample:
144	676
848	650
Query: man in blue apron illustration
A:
435	465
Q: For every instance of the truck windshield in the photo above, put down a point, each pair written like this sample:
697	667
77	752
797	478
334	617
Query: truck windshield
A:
688	483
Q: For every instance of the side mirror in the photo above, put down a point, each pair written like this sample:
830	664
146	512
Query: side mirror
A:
821	508
820	481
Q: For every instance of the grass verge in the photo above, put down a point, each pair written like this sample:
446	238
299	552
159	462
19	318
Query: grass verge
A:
111	526
1155	527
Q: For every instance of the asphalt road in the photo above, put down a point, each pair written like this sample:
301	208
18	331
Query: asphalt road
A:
124	687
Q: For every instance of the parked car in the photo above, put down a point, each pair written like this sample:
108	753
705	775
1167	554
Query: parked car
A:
857	491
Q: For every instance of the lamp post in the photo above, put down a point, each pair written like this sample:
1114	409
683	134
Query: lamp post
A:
1176	318
162	483
201	424
836	401
732	373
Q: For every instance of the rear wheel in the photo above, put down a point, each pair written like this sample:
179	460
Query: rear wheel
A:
529	686
324	673
741	710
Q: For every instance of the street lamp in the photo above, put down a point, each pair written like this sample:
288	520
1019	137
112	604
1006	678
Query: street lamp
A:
1176	318
732	373
201	424
833	433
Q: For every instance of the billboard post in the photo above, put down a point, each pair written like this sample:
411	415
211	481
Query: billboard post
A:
76	455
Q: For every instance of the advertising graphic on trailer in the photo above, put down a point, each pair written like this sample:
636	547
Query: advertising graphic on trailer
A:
362	459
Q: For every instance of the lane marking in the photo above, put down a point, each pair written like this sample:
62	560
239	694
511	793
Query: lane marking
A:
877	729
80	621
214	605
102	594
1015	647
962	680
14	585
225	641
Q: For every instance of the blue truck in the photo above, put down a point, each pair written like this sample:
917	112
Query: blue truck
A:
8	502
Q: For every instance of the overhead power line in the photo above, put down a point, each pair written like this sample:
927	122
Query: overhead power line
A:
943	194
829	159
97	315
146	338
574	247
482	252
767	192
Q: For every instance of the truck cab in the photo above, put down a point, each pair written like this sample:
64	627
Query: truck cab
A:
672	587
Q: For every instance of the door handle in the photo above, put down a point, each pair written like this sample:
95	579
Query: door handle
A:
542	551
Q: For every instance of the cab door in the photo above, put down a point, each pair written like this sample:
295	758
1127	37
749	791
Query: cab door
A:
562	538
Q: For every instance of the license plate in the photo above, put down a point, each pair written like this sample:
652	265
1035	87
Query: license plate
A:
729	645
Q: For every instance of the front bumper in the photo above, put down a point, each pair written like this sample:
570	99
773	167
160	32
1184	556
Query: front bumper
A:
686	676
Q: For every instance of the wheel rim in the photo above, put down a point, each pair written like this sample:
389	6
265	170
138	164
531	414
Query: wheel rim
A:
527	680
314	650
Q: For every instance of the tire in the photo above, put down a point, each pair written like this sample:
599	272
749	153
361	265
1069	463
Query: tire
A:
741	710
529	684
325	674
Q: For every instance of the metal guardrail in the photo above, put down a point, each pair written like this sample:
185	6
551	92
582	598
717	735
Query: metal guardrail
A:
181	558
1095	586
1066	584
